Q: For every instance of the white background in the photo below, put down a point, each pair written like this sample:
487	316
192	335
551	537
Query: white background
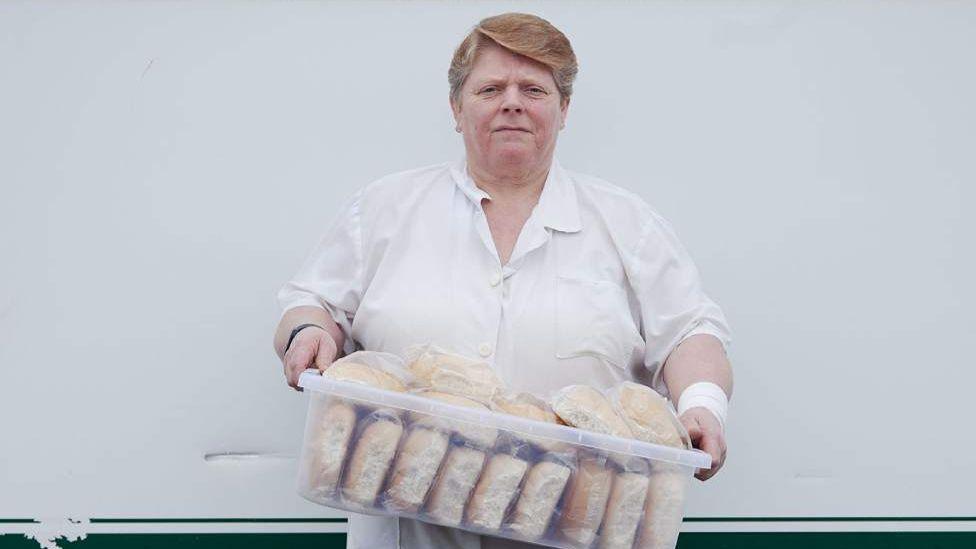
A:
164	167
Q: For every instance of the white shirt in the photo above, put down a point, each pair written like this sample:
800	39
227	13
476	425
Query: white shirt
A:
597	290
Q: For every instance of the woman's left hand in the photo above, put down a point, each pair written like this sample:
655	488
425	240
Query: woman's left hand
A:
706	435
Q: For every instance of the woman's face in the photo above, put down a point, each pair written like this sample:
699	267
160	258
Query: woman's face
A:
509	112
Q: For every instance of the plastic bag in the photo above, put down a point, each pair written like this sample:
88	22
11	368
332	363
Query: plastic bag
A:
424	449
625	506
529	406
537	505
462	467
586	499
587	408
550	465
475	434
375	369
446	372
331	420
649	415
417	463
496	490
329	428
378	437
456	482
665	506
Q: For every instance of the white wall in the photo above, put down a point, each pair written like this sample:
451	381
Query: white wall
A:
164	167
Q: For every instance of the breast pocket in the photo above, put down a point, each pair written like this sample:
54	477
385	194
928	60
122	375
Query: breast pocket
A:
593	318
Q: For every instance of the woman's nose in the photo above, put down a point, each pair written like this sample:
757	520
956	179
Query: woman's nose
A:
512	100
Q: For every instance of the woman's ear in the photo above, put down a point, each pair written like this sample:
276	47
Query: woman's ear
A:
455	108
564	111
456	111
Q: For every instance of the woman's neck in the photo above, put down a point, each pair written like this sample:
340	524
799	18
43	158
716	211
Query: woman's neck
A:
521	185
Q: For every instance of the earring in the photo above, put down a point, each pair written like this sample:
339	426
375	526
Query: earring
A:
457	129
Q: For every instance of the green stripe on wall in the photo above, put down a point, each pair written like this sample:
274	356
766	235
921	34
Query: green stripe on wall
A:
220	520
827	540
830	519
690	540
188	541
342	520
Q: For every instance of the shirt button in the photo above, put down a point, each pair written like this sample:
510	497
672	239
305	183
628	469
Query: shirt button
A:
495	280
484	349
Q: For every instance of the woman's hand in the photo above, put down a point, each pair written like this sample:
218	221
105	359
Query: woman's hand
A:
700	357
312	347
706	435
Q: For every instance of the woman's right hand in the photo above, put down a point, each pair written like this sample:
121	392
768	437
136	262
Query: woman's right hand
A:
312	347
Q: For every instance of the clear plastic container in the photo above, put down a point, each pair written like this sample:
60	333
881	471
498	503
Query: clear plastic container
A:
379	452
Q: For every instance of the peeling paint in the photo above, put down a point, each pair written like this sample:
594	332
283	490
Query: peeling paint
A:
244	456
47	531
149	66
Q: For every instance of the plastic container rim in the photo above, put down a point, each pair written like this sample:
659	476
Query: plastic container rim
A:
314	381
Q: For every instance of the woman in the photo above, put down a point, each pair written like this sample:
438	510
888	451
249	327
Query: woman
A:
553	277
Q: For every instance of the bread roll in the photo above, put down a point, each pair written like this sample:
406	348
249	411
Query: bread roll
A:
330	437
586	408
649	415
424	450
529	406
476	435
545	481
416	465
458	477
544	485
364	374
455	374
372	458
624	510
495	491
332	424
665	507
523	405
586	500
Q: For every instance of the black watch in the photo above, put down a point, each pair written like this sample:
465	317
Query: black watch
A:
297	329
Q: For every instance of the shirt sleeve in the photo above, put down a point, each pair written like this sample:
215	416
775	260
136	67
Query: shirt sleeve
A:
673	306
331	276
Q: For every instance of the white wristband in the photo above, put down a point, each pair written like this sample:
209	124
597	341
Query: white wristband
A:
706	395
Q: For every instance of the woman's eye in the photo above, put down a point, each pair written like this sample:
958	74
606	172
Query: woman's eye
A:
489	89
536	91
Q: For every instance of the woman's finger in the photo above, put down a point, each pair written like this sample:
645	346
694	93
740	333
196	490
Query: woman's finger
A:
713	443
694	429
327	351
297	359
706	435
704	443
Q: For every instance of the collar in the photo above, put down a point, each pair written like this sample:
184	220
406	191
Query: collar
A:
558	207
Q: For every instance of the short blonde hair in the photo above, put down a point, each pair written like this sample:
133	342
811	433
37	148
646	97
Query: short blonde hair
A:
523	34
